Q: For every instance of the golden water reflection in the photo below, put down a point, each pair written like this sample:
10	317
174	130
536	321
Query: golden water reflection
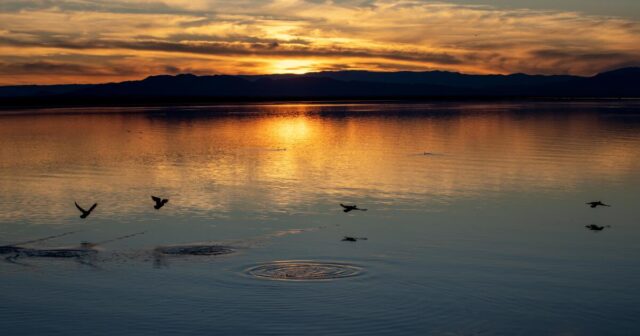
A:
294	156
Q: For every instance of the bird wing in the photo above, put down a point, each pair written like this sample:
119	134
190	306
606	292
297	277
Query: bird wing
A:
79	207
164	200
93	207
156	199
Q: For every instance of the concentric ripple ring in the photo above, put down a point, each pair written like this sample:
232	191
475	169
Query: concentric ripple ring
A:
303	270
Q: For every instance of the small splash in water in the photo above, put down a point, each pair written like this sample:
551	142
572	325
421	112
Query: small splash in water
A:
195	250
299	270
161	253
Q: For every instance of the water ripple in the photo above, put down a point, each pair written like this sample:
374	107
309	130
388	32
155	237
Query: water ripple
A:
303	270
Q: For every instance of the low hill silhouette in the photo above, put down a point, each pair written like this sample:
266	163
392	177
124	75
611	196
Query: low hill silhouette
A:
338	85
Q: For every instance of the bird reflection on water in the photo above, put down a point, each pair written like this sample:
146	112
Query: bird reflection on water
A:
594	227
597	204
353	239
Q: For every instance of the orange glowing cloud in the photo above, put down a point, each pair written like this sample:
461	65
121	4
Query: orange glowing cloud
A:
88	41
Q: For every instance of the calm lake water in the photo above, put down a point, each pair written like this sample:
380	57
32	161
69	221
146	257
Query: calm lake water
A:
482	235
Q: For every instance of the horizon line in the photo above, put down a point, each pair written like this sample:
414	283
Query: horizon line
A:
326	71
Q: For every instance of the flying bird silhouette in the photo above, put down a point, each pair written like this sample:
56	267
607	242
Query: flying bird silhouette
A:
353	239
348	208
597	203
85	213
160	202
594	227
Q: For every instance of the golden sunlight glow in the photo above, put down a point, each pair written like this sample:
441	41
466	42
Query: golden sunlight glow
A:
59	42
290	130
292	66
331	155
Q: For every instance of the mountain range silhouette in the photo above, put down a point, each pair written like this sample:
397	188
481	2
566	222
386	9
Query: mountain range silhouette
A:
339	85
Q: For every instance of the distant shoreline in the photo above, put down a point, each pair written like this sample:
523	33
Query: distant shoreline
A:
327	87
24	103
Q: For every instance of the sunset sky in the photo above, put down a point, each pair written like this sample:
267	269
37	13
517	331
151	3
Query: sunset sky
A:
93	41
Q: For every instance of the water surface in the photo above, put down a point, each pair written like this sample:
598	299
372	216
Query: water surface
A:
475	220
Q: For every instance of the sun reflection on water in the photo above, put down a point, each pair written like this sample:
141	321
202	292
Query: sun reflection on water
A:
296	154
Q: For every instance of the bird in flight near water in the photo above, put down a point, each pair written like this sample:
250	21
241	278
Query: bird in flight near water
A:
85	213
348	208
160	202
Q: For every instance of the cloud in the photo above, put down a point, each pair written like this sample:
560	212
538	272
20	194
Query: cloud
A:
111	6
223	46
247	36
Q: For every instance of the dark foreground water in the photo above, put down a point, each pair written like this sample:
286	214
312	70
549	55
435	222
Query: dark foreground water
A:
482	235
